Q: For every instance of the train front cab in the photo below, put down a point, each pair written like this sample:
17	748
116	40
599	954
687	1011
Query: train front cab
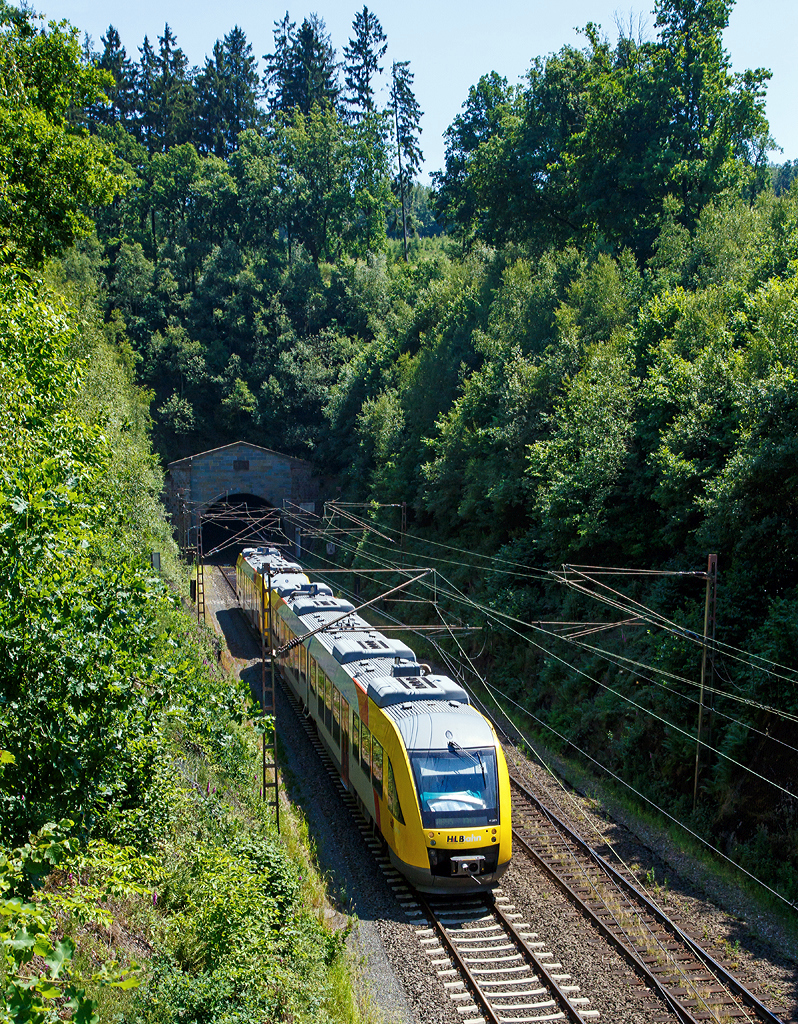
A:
454	798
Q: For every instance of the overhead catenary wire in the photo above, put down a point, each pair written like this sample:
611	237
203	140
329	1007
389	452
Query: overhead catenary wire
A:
672	725
455	594
452	547
617	778
681	631
748	702
495	615
548	574
587	879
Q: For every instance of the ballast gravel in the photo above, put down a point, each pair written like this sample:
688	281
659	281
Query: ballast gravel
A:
396	974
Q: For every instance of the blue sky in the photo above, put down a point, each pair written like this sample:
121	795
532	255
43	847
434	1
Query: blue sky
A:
450	45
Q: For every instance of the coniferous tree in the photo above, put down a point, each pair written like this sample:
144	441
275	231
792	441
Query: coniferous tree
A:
279	74
146	101
241	80
122	94
407	115
227	97
317	81
174	93
210	91
302	70
362	63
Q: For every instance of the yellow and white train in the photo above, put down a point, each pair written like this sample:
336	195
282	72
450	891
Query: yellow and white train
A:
426	766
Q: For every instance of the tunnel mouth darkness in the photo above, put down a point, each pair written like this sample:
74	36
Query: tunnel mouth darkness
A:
235	522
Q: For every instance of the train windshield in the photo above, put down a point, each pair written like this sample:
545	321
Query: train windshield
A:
457	788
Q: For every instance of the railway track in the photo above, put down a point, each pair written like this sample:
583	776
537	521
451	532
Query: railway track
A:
492	965
495	968
694	985
229	574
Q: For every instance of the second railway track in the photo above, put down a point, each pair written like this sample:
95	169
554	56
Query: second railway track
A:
693	985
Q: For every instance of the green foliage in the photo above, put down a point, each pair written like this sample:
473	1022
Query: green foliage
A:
602	363
578	469
27	926
602	140
50	170
114	712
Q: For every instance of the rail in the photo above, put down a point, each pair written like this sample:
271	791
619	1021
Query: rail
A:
688	983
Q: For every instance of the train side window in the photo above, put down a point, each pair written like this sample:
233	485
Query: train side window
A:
356	736
312	673
328	703
376	765
365	749
392	796
336	710
303	663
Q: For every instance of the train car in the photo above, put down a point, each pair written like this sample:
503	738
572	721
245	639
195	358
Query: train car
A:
425	765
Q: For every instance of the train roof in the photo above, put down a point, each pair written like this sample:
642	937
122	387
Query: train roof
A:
386	668
432	724
389	690
259	558
351	640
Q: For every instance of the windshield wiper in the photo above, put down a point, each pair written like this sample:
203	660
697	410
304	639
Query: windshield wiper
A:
457	749
482	766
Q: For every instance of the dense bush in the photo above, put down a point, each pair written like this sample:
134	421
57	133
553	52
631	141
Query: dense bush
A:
117	724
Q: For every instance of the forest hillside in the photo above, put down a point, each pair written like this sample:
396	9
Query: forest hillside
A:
578	349
585	354
142	878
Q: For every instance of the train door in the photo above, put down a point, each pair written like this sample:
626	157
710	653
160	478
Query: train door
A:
345	741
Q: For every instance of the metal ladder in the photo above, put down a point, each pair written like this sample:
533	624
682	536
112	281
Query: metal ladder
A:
268	704
200	591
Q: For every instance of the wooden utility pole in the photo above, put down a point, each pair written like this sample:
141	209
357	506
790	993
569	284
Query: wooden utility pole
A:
707	659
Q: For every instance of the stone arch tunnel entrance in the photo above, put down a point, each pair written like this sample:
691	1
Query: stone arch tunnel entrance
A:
242	472
236	522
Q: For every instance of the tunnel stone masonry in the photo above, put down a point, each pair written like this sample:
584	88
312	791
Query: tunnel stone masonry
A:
198	481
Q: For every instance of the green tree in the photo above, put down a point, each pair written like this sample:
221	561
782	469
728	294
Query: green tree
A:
302	71
174	97
210	89
51	170
121	92
371	182
316	158
227	94
488	102
362	62
407	116
603	141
